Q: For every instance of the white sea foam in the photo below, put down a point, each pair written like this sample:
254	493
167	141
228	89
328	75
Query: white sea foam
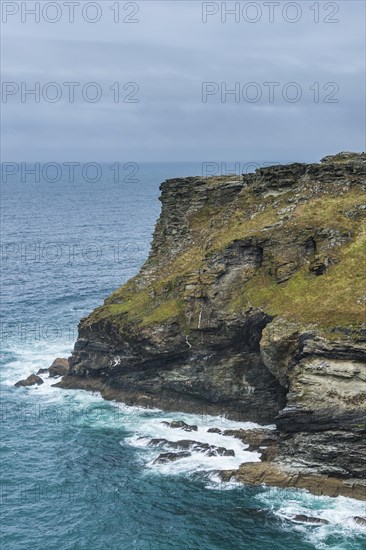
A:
89	408
154	428
31	357
339	512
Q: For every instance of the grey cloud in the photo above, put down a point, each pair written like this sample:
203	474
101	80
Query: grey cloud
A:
169	54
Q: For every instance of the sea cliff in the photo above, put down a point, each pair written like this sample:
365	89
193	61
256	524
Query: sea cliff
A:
251	304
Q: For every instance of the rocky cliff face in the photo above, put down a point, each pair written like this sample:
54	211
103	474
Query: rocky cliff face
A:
252	304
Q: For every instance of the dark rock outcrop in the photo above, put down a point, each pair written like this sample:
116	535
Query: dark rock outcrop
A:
164	458
197	446
32	380
252	305
182	425
301	518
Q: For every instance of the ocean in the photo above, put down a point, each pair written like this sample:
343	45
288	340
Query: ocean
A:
77	472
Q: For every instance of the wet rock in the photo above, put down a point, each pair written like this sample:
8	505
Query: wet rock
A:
308	519
214	431
279	475
164	458
197	446
32	380
183	426
185	444
59	367
202	447
182	444
42	371
360	520
156	442
258	440
219	451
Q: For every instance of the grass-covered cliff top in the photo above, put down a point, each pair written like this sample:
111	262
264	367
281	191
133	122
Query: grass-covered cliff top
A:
288	239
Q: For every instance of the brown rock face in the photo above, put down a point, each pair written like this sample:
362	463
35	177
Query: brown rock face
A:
32	380
262	441
59	367
276	475
251	304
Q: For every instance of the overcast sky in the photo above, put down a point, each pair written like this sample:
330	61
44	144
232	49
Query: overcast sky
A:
169	53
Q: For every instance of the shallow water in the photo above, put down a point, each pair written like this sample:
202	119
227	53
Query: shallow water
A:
77	472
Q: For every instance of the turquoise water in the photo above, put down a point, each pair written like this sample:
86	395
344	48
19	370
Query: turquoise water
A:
77	472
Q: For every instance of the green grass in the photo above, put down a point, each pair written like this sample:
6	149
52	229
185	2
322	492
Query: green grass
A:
166	311
328	211
332	299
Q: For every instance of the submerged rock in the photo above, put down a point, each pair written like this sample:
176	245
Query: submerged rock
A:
32	380
156	442
182	425
164	458
197	446
360	520
219	451
308	519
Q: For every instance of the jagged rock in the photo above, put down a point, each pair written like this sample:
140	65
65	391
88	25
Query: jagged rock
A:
32	380
309	519
258	440
278	475
257	437
183	426
59	367
219	451
184	444
214	431
360	520
156	441
171	457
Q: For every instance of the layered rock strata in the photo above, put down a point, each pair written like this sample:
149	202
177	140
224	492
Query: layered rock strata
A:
251	304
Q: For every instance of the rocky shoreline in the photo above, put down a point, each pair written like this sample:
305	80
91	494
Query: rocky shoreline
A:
272	470
252	305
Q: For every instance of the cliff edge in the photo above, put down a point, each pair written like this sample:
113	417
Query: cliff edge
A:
251	304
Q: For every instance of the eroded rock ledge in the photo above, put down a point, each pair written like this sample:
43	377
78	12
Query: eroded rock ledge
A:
251	304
